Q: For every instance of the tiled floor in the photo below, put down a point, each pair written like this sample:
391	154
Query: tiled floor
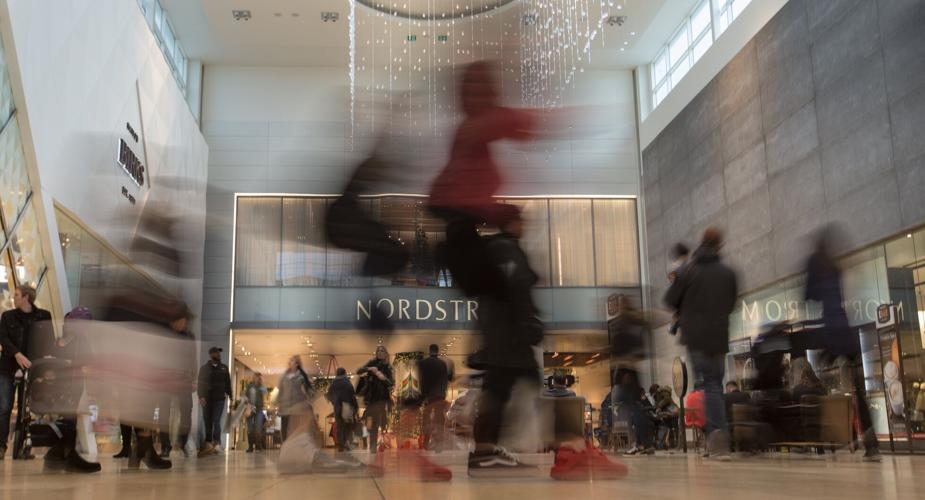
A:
240	475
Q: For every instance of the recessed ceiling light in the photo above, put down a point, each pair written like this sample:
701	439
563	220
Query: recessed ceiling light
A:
632	33
619	7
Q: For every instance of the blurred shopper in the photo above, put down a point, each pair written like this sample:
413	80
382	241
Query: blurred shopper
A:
57	379
806	383
704	295
734	396
179	325
626	340
15	338
214	387
510	328
680	256
256	394
666	417
559	386
343	398
435	375
295	391
823	285
376	389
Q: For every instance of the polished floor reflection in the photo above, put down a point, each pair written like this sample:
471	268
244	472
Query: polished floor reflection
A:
240	475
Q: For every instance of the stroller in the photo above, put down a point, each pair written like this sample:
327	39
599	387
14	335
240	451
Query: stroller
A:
43	392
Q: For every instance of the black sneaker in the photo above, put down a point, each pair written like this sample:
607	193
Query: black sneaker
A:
497	462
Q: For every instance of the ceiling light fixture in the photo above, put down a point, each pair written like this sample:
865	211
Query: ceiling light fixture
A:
241	15
330	17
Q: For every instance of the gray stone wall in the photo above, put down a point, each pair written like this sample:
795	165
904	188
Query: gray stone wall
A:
821	117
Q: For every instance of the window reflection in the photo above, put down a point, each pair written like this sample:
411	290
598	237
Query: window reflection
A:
26	247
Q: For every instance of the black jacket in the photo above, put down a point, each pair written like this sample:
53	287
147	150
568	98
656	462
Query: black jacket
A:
15	335
341	392
704	296
372	388
435	376
508	318
214	381
823	284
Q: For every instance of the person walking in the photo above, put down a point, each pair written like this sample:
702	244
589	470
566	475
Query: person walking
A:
256	394
180	326
214	387
15	338
376	389
823	285
704	294
435	376
294	394
343	398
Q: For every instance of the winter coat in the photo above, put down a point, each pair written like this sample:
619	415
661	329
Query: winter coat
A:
823	284
704	295
372	388
434	376
16	330
341	392
214	381
294	389
508	318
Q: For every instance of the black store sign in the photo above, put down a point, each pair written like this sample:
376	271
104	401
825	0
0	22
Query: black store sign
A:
129	161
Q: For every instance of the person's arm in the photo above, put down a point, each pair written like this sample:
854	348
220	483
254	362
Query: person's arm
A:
674	296
228	385
203	387
5	341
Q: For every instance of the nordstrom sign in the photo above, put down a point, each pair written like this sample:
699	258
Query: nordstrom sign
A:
420	309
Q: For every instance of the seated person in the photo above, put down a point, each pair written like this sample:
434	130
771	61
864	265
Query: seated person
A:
808	384
666	417
559	387
734	396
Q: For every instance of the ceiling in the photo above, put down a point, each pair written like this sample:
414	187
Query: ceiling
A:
292	33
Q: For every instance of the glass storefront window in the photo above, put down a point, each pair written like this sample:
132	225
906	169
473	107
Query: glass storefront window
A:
535	241
571	243
616	249
281	242
26	247
14	181
302	257
258	249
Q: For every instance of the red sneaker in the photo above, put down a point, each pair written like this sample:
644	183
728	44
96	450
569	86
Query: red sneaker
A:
603	468
571	465
412	464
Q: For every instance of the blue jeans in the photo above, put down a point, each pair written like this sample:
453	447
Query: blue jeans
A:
212	414
6	407
711	369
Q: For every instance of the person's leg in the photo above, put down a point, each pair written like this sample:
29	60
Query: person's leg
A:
283	427
496	392
339	432
217	408
6	409
438	423
871	445
711	369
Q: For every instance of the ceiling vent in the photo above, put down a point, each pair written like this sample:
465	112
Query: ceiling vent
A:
330	17
241	15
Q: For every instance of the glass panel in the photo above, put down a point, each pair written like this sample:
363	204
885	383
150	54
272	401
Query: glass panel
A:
900	252
6	282
615	247
43	296
678	46
660	93
535	240
14	181
571	243
700	19
722	20
302	260
678	73
865	284
660	68
701	46
257	249
26	245
6	90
